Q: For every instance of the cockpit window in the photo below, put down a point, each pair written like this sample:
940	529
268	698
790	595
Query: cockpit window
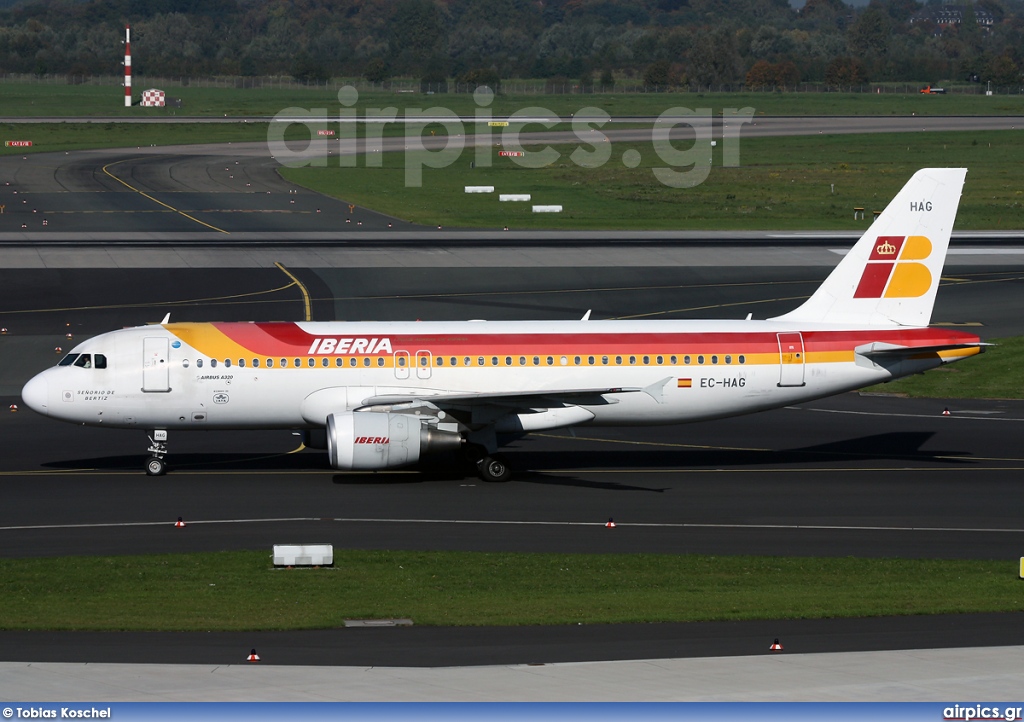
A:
84	361
99	361
68	360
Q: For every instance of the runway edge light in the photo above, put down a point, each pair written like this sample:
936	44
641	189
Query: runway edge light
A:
1020	572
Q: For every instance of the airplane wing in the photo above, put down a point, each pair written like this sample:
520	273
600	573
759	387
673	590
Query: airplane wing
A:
511	400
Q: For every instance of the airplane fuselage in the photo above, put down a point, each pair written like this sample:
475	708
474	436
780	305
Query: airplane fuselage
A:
292	375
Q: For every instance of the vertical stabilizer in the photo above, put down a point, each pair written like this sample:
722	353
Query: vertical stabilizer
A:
890	276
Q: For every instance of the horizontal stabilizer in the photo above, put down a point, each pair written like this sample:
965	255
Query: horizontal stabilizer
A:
888	350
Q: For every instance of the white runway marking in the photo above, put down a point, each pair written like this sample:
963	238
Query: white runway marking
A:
953	414
513	522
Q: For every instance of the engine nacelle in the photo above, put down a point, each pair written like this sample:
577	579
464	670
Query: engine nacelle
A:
369	440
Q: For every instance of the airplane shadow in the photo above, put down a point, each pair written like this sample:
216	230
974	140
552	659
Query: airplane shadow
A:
899	446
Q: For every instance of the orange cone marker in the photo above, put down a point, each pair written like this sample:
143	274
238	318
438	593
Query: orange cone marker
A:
179	524
610	524
253	657
57	349
776	647
3	330
945	411
14	407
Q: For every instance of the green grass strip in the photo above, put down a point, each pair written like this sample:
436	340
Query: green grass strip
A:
34	100
788	183
241	591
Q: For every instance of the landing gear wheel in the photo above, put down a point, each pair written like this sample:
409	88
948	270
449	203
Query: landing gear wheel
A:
493	469
155	466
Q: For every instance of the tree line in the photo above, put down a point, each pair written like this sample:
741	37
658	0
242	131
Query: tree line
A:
763	43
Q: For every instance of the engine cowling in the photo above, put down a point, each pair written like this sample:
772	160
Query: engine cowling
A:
366	440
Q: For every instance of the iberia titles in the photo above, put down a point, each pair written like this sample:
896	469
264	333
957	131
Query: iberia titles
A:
337	346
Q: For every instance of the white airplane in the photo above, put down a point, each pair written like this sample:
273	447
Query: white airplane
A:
381	395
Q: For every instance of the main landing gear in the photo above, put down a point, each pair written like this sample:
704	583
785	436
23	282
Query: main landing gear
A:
155	464
489	468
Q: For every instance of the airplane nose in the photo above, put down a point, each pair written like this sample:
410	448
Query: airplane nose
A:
36	393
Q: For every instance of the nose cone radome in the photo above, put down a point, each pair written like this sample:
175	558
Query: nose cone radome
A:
36	394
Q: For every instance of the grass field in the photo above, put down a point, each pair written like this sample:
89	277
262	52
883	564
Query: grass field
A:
34	100
240	591
782	183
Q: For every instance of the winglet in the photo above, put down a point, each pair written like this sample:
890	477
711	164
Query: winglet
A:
167	319
890	276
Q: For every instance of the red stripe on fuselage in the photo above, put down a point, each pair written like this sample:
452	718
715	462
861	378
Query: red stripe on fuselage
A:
287	339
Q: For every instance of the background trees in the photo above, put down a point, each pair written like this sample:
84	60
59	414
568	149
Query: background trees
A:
765	43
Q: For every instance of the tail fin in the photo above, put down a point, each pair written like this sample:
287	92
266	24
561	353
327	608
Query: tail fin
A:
891	274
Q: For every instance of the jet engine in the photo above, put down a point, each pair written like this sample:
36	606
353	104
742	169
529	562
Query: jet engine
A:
375	440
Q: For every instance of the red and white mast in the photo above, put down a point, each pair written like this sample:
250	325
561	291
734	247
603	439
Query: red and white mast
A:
127	67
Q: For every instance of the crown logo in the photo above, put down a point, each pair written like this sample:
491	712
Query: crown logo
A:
886	249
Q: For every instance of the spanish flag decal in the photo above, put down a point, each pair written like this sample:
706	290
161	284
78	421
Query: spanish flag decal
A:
684	383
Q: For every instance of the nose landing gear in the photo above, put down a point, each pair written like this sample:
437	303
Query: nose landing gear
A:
155	464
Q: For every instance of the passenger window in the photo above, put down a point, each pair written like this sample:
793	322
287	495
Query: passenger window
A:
454	361
522	360
298	362
536	360
184	363
467	361
551	360
743	359
366	361
604	360
270	363
618	360
401	360
68	360
700	359
99	361
632	360
728	359
714	359
227	363
380	361
440	360
84	361
213	363
480	361
661	360
311	362
325	362
199	363
255	363
576	360
494	360
241	363
686	360
672	360
284	363
590	360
